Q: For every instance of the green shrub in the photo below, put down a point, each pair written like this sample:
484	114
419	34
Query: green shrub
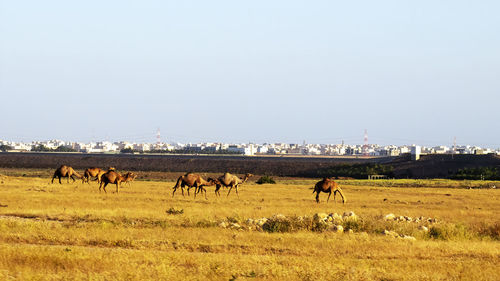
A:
278	225
265	179
355	225
450	232
173	211
206	223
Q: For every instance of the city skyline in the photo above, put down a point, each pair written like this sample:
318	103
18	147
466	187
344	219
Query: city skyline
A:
342	149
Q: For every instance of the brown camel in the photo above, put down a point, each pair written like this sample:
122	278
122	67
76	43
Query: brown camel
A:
130	177
192	180
92	173
228	180
65	172
217	183
114	178
328	185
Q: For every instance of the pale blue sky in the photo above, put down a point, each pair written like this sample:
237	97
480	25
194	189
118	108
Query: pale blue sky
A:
251	71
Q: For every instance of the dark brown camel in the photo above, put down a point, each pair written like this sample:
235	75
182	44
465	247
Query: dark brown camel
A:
231	181
328	185
114	178
65	172
192	180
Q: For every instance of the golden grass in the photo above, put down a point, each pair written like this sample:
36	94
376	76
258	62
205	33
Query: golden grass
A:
73	232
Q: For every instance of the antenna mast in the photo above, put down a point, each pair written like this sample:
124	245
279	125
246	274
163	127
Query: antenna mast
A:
365	145
158	138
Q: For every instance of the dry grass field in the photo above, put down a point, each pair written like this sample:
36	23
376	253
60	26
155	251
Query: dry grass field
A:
73	232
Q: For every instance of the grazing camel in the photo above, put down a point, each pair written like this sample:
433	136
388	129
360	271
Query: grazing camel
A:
114	178
217	183
192	180
92	173
328	185
129	177
65	172
228	180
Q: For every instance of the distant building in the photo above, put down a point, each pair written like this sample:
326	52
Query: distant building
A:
415	152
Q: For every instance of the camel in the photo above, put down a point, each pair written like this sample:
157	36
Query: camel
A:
328	185
114	178
65	172
129	177
92	173
217	183
192	180
231	181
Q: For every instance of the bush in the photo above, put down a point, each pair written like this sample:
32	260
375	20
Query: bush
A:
278	225
450	232
492	231
5	147
173	211
265	179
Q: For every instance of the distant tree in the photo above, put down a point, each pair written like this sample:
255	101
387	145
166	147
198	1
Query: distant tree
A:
265	179
480	173
41	148
5	147
64	149
127	150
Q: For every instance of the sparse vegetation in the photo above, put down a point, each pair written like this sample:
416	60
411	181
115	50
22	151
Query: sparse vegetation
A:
480	173
71	232
265	179
5	147
173	211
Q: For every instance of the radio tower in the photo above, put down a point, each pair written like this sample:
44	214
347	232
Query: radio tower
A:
158	138
454	145
365	145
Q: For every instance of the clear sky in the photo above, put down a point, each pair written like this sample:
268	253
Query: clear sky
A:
251	71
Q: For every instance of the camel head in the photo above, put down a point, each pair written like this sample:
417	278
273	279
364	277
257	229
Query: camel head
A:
213	181
247	176
111	168
131	176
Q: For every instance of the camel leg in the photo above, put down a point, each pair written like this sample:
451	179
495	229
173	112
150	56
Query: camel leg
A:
59	179
104	187
317	197
236	188
174	191
229	191
341	195
117	185
217	192
53	177
330	193
73	178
